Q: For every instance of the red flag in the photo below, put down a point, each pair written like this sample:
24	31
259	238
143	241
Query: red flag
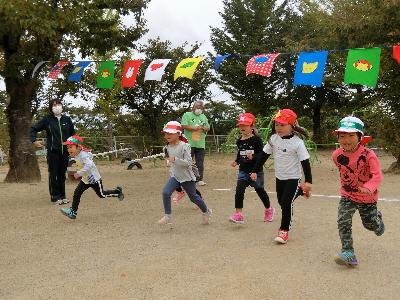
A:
261	64
129	75
55	70
396	53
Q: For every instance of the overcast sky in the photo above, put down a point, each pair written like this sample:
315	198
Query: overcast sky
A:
182	21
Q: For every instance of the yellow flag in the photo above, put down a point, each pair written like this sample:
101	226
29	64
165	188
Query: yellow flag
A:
187	67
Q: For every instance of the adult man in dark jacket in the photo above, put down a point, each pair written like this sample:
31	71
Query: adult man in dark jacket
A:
58	128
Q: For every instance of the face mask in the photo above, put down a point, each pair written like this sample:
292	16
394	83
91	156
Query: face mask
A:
57	110
198	111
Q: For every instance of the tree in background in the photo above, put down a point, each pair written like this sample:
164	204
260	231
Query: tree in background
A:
157	102
33	31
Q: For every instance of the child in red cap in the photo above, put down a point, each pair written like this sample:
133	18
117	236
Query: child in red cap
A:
90	176
290	155
249	147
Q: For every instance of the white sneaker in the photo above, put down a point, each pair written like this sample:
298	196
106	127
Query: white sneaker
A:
166	220
201	183
58	202
206	216
65	201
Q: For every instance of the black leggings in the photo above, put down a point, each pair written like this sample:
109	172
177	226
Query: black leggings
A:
241	186
97	187
287	191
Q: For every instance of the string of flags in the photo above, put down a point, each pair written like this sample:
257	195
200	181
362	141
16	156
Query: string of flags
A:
362	67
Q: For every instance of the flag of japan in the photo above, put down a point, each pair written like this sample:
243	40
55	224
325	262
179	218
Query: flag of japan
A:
261	64
131	69
55	70
156	69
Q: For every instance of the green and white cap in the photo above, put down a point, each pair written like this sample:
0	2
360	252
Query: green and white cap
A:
350	124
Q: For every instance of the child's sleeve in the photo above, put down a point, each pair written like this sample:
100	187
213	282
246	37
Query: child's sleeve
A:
375	168
87	165
186	159
185	119
302	151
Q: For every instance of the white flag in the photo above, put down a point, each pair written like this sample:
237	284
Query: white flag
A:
156	69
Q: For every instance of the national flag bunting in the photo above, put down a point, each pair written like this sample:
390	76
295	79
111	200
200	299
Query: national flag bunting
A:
131	69
261	64
310	68
77	72
362	66
187	67
105	77
56	69
396	53
156	69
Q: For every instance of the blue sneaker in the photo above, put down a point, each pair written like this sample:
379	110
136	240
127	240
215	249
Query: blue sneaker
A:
381	228
346	258
69	212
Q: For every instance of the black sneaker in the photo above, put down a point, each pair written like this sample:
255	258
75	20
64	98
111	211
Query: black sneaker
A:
120	193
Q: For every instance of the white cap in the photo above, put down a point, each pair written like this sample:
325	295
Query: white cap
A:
350	124
172	127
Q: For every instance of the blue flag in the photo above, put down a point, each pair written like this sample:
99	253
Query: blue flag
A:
219	59
77	71
310	68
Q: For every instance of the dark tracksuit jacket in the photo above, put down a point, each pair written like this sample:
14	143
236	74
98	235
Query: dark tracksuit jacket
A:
57	132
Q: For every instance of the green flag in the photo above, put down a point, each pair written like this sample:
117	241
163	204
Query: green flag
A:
362	66
105	77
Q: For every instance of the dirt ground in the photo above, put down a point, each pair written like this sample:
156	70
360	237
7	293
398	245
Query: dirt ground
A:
115	250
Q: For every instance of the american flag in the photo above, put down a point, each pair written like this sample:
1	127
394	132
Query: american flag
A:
261	64
55	70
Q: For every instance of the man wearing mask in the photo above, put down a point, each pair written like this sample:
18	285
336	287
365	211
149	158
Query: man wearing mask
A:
58	128
196	125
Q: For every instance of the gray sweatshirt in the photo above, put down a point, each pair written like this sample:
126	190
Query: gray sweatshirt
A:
181	169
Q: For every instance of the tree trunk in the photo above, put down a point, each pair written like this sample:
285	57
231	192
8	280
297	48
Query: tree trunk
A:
23	163
317	136
394	167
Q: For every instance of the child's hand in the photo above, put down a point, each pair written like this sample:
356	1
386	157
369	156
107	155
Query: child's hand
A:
307	187
253	176
364	190
172	159
233	164
249	155
77	176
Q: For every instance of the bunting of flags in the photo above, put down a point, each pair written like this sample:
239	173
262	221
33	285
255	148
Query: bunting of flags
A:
156	69
187	67
130	72
362	67
77	71
310	68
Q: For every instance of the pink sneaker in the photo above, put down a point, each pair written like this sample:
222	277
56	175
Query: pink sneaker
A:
282	237
269	214
178	197
237	218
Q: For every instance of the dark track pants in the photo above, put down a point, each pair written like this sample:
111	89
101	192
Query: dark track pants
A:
57	164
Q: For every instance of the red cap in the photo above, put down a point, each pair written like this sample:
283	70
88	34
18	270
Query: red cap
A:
286	116
74	140
246	119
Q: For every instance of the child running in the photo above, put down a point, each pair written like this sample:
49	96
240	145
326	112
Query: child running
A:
360	176
180	161
90	176
249	147
290	154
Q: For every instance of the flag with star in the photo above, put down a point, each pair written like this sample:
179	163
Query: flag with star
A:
187	67
105	76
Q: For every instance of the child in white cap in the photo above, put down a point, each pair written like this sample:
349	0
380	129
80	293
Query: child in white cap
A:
180	161
360	176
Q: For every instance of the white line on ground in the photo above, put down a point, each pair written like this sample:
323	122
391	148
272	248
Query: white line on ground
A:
320	196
